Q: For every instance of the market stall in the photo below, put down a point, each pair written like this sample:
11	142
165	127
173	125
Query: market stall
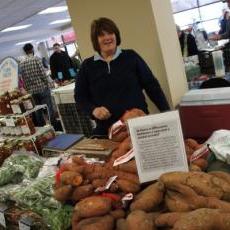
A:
146	175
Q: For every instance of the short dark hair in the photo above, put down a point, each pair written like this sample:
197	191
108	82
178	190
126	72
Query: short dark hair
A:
103	24
28	48
56	44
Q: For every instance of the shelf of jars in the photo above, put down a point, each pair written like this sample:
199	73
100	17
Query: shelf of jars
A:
17	130
31	143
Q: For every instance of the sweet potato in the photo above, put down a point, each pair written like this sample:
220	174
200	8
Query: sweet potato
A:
121	224
149	198
139	220
202	183
132	113
96	223
129	167
82	192
123	148
194	168
168	219
181	198
71	178
93	206
102	182
98	183
201	163
117	214
191	143
120	136
223	175
78	160
63	193
127	186
92	172
75	220
200	219
72	167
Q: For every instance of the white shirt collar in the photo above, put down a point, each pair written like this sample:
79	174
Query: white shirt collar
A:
98	57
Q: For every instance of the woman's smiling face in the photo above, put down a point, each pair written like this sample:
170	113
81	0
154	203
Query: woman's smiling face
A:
107	42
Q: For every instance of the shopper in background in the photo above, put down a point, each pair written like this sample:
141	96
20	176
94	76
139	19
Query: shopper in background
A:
112	81
36	83
225	35
187	43
223	22
61	65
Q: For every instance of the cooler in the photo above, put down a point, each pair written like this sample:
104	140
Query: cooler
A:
203	111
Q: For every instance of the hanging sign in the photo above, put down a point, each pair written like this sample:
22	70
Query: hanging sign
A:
8	75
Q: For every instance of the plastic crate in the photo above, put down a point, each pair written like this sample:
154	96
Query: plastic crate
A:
74	120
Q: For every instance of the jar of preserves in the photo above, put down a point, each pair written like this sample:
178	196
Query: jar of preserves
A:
5	107
18	129
28	102
27	125
17	106
15	94
24	127
29	146
40	142
49	135
31	124
7	150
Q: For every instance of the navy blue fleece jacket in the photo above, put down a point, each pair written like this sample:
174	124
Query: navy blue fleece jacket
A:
118	86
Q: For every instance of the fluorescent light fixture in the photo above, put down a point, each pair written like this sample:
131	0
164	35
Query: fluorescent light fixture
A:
52	10
60	21
22	43
13	28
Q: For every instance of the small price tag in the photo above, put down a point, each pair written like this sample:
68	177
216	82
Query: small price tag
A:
125	158
107	185
23	226
10	122
2	219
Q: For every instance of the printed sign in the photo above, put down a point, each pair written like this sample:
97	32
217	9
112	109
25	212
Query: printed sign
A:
8	75
158	145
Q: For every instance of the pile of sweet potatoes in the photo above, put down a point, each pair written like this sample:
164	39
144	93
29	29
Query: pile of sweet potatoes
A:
177	201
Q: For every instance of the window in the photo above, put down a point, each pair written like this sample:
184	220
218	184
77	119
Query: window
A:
183	5
211	11
187	17
186	12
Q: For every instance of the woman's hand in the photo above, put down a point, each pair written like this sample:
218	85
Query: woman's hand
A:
101	113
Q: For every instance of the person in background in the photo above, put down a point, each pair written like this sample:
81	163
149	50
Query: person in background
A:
187	43
225	35
36	83
76	61
61	65
112	81
223	22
